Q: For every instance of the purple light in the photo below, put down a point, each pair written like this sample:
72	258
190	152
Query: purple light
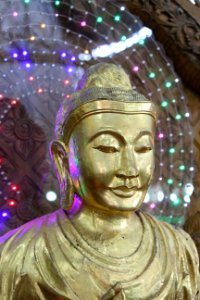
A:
77	203
136	69
24	52
63	54
152	205
160	135
83	24
70	70
4	214
15	55
73	58
28	65
15	14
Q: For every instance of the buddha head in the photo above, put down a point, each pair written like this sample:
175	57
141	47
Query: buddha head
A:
104	147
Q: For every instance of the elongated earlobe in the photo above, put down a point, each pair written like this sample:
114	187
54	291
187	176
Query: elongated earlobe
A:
59	156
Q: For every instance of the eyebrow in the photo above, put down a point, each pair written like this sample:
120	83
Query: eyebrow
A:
107	131
119	136
142	133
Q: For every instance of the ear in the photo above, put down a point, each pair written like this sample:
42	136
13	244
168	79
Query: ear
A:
59	155
58	152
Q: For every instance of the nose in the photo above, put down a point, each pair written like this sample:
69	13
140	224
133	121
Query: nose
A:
128	165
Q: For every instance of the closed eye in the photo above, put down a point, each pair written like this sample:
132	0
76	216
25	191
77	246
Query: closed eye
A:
143	149
106	149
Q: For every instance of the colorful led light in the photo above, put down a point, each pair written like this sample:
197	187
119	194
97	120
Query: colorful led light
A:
43	25
117	18
11	202
135	68
32	38
141	42
66	82
164	103
63	54
178	117
40	90
99	19
152	205
24	53
13	102
160	135
172	150
182	167
15	55
168	84
152	75
170	181
4	214
57	2
83	23
14	187
123	38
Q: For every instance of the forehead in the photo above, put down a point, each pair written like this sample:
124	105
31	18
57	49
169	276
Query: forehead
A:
123	124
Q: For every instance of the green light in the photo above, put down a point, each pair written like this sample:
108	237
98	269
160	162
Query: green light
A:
27	1
168	84
117	18
182	168
173	220
99	19
173	100
164	103
178	117
170	181
123	38
57	2
141	42
172	150
152	75
176	202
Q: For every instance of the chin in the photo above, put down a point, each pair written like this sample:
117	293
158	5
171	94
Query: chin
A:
117	203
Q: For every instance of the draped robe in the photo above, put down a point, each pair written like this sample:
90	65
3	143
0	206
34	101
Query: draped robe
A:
48	259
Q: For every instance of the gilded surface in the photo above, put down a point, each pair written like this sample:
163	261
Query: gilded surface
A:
100	245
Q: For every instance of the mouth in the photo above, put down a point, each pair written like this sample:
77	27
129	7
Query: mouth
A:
124	191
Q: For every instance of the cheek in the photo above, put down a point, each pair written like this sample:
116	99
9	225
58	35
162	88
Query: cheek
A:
146	165
99	167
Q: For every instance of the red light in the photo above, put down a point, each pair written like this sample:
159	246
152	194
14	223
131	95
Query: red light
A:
31	78
1	96
14	102
66	82
1	160
40	90
11	202
14	187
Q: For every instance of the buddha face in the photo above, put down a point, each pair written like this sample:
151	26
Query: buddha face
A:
111	159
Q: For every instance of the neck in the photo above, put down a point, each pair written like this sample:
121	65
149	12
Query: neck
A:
93	222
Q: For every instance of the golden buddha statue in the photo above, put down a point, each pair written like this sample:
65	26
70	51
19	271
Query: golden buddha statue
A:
99	245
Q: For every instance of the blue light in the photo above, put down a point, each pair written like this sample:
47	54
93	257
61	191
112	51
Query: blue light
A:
15	55
4	214
24	53
63	54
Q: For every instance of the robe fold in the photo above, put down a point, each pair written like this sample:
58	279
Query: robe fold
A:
47	259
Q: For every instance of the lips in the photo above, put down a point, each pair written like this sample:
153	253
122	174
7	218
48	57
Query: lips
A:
124	191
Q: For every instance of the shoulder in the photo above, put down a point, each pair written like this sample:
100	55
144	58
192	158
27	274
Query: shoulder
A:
25	234
176	239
